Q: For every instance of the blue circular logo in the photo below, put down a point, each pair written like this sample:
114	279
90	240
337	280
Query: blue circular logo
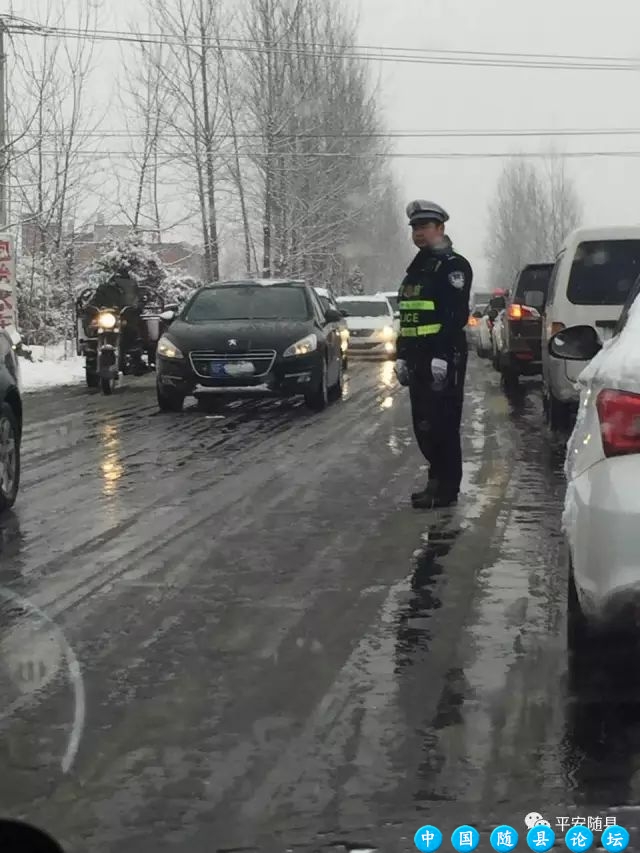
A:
615	838
465	838
504	838
578	838
541	838
427	839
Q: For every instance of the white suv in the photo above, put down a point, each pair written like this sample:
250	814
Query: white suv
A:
602	505
592	277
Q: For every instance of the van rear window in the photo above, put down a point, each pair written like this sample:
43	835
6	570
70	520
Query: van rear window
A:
603	272
533	286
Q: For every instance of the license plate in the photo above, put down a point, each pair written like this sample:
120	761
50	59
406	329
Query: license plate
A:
233	368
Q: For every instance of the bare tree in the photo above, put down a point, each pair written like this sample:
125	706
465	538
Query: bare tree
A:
52	172
532	212
196	114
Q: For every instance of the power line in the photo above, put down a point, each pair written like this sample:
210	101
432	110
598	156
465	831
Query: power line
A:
367	53
399	134
431	155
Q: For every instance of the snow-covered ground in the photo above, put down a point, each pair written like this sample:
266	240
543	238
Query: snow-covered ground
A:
51	368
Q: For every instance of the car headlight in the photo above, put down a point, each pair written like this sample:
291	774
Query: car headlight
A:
302	347
388	333
167	349
107	320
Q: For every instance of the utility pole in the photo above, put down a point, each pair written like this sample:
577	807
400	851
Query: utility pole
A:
3	130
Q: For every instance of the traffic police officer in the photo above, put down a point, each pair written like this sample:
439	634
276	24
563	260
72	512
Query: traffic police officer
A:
432	350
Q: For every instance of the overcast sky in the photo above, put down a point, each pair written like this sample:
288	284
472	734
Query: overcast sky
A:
446	97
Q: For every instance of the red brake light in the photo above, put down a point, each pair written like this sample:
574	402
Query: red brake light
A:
619	413
522	312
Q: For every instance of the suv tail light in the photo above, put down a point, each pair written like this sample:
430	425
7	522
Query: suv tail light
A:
522	312
619	413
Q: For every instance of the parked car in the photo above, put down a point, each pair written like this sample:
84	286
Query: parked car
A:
484	344
371	325
328	301
392	296
591	279
517	343
602	506
10	419
270	335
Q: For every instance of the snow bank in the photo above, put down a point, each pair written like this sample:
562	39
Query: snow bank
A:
50	368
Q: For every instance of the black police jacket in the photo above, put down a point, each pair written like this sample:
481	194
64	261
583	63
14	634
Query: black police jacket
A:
439	279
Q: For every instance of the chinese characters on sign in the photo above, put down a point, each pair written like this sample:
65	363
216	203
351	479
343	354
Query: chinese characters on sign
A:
595	824
7	282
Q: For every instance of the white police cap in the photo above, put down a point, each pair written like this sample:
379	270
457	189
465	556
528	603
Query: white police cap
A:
421	210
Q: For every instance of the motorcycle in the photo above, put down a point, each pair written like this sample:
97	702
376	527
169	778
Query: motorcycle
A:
101	341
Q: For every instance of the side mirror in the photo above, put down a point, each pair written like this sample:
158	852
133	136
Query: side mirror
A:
344	312
477	314
577	343
333	316
168	316
396	315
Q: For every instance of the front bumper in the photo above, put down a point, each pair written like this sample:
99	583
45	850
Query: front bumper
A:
372	346
602	519
285	377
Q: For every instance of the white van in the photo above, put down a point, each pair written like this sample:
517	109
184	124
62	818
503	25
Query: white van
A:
593	274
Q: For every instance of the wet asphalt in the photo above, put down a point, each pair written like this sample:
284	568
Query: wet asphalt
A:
230	631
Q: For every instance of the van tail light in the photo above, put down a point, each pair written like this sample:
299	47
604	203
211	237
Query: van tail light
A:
522	312
619	414
557	327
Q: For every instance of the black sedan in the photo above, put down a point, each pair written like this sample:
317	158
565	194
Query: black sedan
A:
10	423
274	336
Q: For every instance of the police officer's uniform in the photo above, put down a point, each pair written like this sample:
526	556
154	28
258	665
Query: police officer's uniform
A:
434	310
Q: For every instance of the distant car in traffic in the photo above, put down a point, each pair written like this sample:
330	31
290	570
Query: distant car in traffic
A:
10	419
602	505
484	338
371	325
592	277
328	301
269	335
517	340
392	296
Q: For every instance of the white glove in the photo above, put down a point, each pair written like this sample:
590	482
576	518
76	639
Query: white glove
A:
402	372
439	369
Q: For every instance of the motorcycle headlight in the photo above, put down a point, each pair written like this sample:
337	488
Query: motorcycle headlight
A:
107	320
388	333
167	349
302	347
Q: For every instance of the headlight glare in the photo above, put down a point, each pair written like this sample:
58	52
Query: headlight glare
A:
167	349
107	320
302	347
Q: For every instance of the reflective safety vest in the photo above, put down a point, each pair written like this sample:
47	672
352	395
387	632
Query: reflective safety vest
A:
416	318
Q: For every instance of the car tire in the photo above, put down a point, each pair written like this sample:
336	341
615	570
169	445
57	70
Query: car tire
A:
335	392
169	401
557	413
9	457
318	400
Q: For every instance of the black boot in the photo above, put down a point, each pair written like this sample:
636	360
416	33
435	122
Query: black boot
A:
422	499
438	498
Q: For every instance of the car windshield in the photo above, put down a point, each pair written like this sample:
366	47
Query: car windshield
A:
533	286
603	272
365	309
248	302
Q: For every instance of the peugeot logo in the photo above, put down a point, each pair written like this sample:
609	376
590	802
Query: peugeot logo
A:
232	342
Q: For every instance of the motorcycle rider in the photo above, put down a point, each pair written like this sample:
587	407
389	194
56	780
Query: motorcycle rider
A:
432	350
121	292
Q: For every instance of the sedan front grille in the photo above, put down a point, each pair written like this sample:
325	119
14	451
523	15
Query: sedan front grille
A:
361	333
262	361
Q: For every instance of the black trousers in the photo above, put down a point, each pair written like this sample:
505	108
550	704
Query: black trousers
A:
437	415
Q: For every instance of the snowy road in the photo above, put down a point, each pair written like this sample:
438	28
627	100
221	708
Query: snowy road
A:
262	645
